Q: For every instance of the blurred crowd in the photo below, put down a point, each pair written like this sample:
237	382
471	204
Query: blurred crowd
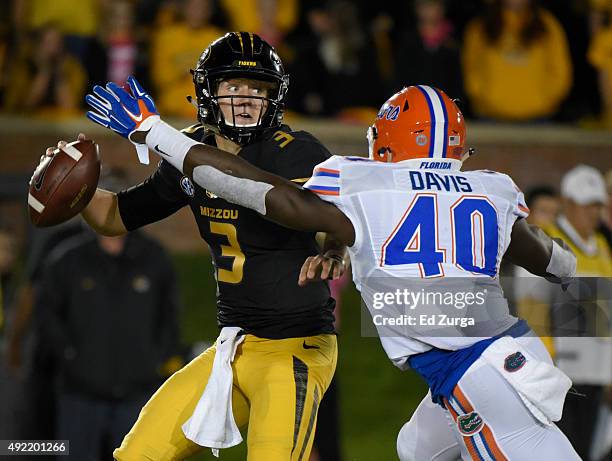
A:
506	60
576	333
576	325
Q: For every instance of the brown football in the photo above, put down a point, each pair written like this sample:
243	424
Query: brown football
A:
64	183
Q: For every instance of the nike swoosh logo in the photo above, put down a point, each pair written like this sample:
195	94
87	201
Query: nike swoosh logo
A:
157	149
137	118
308	346
41	175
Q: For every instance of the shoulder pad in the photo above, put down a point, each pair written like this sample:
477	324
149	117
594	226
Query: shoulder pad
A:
195	132
332	165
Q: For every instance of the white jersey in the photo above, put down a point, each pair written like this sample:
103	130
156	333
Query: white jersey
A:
426	236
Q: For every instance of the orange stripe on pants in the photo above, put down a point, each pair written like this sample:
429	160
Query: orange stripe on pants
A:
486	430
469	443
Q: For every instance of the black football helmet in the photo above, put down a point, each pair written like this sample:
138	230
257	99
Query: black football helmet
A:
239	55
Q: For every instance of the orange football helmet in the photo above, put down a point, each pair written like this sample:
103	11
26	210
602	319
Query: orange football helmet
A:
418	122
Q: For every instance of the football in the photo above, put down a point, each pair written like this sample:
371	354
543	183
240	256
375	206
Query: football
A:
64	183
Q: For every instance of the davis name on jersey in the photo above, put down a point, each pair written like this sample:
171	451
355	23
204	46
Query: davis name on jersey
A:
437	231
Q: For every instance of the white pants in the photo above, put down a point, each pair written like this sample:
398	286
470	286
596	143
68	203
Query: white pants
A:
484	402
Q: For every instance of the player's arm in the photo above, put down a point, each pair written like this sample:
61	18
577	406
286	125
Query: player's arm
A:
301	209
102	214
277	198
237	181
134	116
154	199
536	252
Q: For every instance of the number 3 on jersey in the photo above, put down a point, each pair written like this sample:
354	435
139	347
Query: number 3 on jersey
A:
474	231
232	250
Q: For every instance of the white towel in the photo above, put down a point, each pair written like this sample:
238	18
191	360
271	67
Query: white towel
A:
541	385
212	422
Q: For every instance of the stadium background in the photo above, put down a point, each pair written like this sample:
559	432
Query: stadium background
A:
376	399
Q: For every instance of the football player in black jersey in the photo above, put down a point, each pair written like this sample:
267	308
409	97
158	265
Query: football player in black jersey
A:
288	356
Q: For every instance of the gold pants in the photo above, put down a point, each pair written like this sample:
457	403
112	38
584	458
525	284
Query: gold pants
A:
278	386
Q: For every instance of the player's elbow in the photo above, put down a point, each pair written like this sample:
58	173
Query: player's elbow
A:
111	231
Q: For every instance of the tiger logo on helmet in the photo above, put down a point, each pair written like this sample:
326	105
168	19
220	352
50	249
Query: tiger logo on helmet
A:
419	122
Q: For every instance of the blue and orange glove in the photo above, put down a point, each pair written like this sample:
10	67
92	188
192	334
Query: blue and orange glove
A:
117	109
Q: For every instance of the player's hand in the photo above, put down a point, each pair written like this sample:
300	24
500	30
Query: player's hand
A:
124	112
322	267
51	151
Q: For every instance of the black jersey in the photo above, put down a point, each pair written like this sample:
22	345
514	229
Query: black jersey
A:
257	262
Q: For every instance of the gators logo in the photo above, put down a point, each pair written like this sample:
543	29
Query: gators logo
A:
390	112
514	362
470	424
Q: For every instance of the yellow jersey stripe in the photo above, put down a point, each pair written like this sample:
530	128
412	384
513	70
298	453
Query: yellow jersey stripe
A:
241	44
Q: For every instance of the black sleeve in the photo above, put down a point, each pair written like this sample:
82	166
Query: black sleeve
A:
298	159
156	198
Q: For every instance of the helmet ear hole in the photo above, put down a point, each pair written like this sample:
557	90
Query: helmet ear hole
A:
385	153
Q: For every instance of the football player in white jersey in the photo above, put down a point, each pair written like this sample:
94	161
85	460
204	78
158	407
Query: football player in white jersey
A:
420	232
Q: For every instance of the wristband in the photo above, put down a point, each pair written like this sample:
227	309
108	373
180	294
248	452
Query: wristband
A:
562	262
169	143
